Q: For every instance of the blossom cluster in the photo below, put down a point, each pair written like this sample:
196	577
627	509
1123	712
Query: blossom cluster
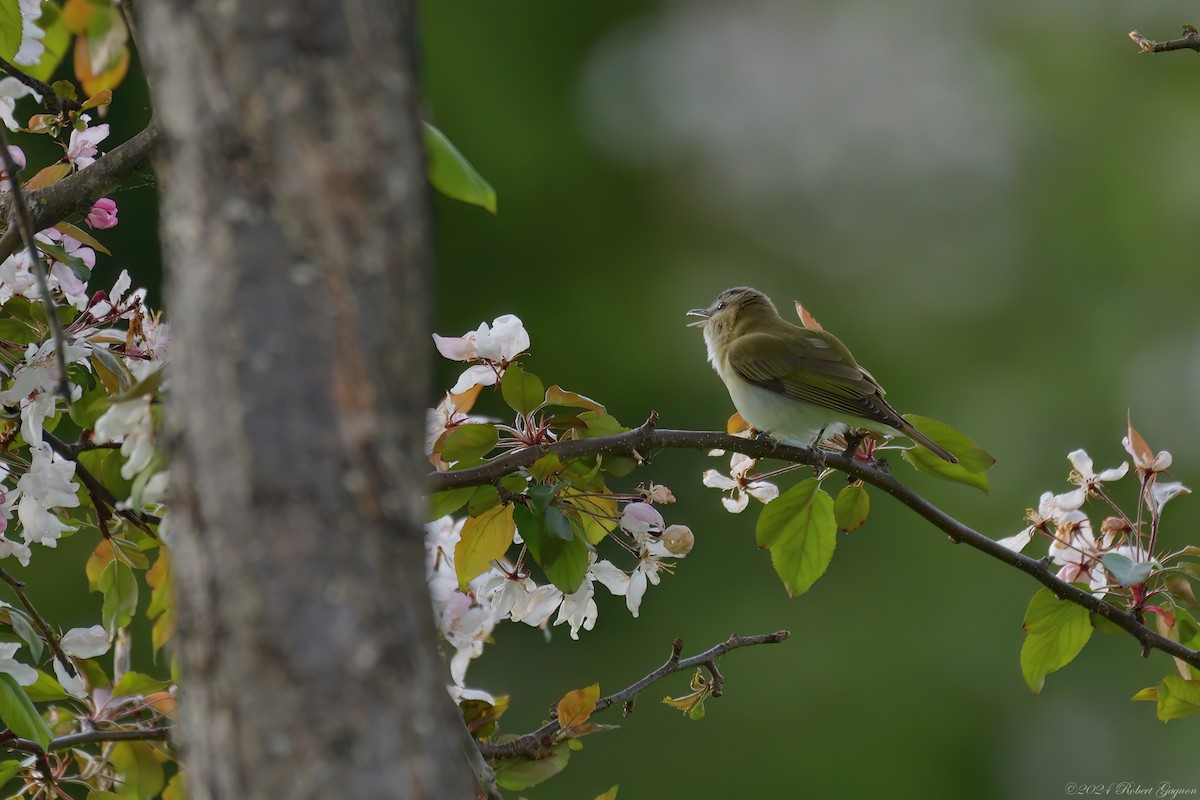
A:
467	616
1084	552
114	348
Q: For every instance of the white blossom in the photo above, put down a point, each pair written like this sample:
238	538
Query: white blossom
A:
49	479
85	642
38	523
21	673
741	488
131	423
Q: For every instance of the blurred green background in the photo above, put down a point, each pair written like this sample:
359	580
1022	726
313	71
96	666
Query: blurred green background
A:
994	205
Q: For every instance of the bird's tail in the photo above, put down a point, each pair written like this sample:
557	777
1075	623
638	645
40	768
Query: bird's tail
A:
923	440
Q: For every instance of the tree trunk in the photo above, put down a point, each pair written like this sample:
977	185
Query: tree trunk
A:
295	224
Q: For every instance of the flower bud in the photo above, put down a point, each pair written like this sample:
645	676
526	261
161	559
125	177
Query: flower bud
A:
103	214
678	540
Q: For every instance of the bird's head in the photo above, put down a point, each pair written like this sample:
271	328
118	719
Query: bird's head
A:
734	312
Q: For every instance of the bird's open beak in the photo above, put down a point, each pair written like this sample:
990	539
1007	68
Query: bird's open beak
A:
698	312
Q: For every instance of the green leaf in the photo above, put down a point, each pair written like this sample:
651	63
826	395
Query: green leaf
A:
88	408
147	385
618	465
96	677
133	684
79	234
470	442
1125	570
851	507
484	538
18	713
532	526
558	396
599	424
482	499
10	29
1149	693
103	796
539	498
521	390
451	173
139	772
120	589
973	461
780	512
546	467
66	90
58	253
18	331
111	371
8	771
1056	632
569	566
449	501
800	529
22	625
596	513
46	689
1178	698
557	525
520	773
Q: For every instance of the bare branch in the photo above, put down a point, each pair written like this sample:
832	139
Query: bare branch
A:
1189	41
77	193
544	735
87	737
647	437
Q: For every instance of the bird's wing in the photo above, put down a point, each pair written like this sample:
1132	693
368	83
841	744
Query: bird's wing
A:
812	366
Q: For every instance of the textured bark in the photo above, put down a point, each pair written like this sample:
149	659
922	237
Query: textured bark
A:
294	217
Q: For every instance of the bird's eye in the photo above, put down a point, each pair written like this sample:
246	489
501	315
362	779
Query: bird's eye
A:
721	306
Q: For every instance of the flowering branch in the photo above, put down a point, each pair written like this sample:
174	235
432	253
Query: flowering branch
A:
76	193
101	496
539	739
1189	41
641	440
24	223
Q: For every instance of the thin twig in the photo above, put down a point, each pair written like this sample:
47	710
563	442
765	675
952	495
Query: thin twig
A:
647	436
18	587
40	270
539	739
54	101
1189	41
87	737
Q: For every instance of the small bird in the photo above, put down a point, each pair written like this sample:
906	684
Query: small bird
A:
797	384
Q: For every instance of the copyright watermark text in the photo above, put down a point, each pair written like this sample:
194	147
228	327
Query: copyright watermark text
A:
1130	789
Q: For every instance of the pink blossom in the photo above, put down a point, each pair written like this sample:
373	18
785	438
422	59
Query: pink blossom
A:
103	214
640	519
82	149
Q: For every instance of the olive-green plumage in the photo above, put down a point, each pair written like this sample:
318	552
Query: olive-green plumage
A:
792	382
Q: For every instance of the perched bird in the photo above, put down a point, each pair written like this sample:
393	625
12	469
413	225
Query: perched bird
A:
797	384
